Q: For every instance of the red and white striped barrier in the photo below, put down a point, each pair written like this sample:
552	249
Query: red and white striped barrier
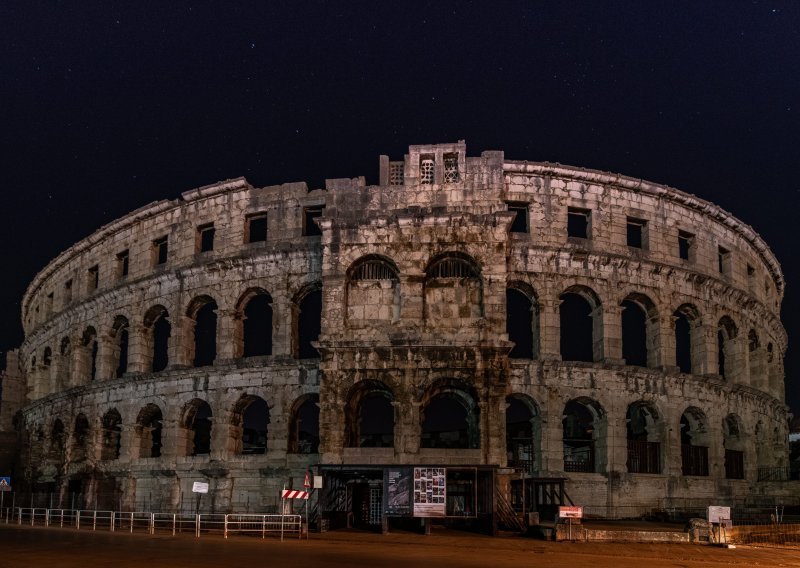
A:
294	494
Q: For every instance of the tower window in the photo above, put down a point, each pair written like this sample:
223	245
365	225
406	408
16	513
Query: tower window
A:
637	233
205	237
310	228
685	245
578	223
257	228
520	222
451	168
160	250
724	261
123	261
426	170
94	278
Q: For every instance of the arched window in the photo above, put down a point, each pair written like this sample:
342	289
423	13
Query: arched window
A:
148	430
373	292
453	293
756	362
734	444
196	427
522	432
80	439
256	324
639	331
584	438
89	343
694	442
309	323
56	453
304	428
645	433
119	337
370	416
157	322
522	322
688	339
112	433
47	356
726	348
203	311
250	423
581	325
450	417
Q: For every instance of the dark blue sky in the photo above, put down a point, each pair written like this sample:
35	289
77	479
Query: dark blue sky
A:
106	106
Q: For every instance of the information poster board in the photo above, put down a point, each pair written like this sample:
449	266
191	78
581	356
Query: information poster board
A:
716	514
430	491
397	483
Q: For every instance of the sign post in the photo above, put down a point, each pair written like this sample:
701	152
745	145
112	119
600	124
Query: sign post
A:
570	513
307	486
721	517
199	487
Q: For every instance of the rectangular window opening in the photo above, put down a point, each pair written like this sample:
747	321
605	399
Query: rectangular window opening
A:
160	250
520	222
396	173
205	237
451	168
310	228
257	228
426	167
67	291
637	233
94	278
685	245
724	261
123	263
578	223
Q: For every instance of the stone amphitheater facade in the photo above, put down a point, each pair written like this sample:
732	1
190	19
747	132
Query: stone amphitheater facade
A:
615	333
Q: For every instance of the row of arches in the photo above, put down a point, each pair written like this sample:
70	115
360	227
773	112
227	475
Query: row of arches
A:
695	345
246	433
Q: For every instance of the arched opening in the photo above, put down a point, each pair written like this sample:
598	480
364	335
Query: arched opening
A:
726	348
47	357
583	436
453	291
522	322
581	325
203	311
80	439
522	433
373	292
196	428
644	433
694	442
119	337
639	331
56	453
688	339
257	324
112	433
370	416
148	430
450	417
734	443
756	361
304	427
89	344
157	322
309	323
249	425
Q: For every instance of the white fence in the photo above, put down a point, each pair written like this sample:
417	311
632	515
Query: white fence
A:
152	523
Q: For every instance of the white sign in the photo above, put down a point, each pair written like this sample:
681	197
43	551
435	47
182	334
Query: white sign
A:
716	514
570	512
199	487
317	482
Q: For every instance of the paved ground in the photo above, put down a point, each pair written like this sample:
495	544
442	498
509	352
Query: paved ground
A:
66	548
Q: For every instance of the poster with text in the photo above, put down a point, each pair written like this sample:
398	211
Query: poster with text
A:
397	482
430	485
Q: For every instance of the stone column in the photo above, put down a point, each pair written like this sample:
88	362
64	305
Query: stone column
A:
549	329
666	348
181	342
612	333
227	322
140	356
106	348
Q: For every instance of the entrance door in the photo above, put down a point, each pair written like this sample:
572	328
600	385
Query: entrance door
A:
367	508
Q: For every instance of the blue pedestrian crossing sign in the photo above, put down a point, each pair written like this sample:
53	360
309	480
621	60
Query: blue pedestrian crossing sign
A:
5	484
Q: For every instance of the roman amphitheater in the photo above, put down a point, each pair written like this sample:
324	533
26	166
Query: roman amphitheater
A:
532	333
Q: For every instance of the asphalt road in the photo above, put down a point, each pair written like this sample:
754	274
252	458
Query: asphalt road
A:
65	548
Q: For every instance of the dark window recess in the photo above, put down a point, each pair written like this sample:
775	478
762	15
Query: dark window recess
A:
685	243
94	277
257	229
309	324
68	291
160	250
205	236
578	223
123	263
519	325
724	260
636	233
520	223
310	228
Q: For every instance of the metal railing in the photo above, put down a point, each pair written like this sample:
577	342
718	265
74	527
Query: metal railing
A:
152	523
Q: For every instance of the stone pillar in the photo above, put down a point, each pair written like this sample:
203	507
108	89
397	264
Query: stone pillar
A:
181	342
140	356
80	367
552	437
673	464
666	344
611	342
411	300
550	329
106	348
617	441
227	323
710	361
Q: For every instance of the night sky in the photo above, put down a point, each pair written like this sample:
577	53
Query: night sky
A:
106	106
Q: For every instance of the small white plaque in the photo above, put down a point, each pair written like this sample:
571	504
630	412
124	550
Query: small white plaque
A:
199	487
